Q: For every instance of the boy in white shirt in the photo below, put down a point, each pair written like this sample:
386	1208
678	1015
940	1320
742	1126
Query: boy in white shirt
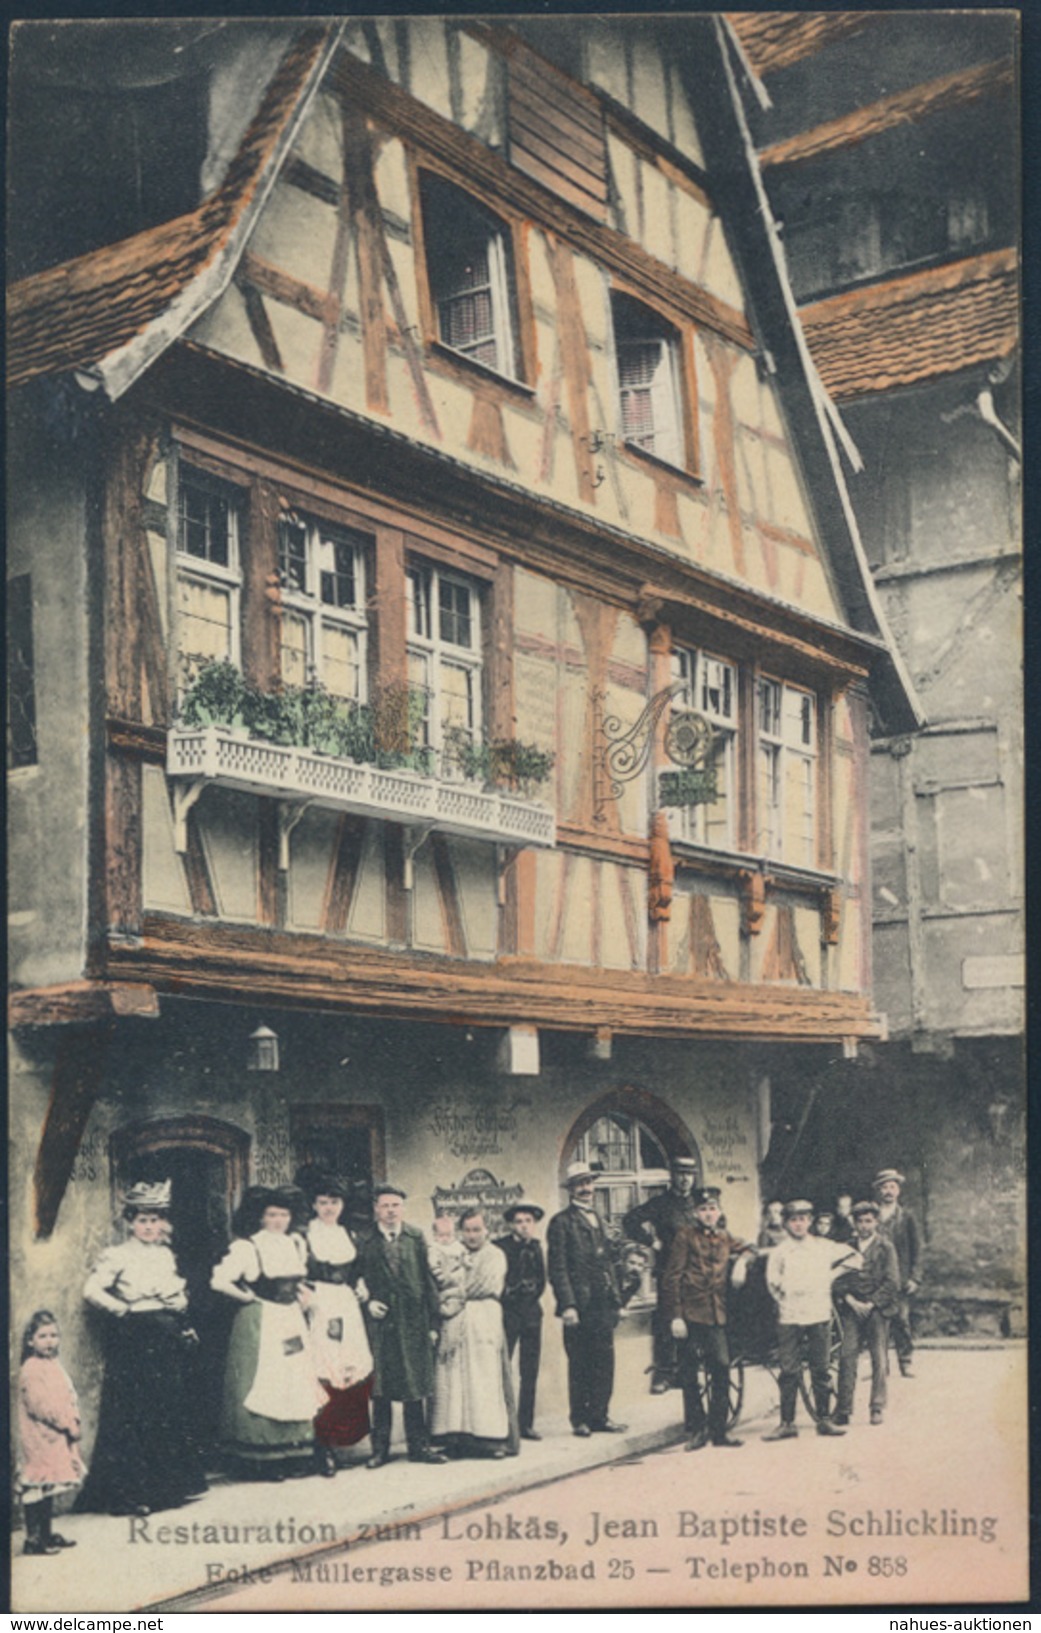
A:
799	1274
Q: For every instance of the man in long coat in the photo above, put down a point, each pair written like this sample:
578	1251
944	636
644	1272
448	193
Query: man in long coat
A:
402	1312
901	1226
656	1221
589	1290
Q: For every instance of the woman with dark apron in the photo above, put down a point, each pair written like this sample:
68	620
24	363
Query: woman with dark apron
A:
270	1390
342	1357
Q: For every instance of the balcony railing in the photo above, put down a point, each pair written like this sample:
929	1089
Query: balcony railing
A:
298	777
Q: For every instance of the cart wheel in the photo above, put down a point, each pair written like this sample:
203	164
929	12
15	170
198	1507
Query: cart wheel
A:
735	1393
805	1382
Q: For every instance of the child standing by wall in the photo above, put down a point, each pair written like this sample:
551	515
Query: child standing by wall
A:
49	1432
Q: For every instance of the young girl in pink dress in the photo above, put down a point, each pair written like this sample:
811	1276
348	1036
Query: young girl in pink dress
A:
49	1431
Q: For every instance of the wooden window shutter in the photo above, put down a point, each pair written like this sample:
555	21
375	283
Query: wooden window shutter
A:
556	132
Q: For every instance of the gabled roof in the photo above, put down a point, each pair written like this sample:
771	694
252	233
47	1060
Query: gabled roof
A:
916	327
113	310
776	39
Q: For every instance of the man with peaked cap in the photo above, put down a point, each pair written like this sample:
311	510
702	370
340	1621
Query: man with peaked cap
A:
866	1298
590	1291
799	1274
694	1292
522	1303
403	1315
656	1222
901	1226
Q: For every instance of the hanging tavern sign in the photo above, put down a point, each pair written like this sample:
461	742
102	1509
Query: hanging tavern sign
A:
687	741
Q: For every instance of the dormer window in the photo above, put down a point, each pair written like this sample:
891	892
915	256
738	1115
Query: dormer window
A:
648	350
470	272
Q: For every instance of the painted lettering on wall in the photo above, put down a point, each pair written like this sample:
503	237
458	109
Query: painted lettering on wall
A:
473	1131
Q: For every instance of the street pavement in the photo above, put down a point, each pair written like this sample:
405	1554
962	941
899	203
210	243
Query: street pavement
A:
929	1507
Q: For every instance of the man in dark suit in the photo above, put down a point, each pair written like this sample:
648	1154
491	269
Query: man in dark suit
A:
402	1311
901	1226
522	1304
589	1290
656	1221
865	1299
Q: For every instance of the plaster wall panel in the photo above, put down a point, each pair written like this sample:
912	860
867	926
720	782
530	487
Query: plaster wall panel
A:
589	281
404	409
758	944
957	757
751	469
312	851
790	508
889	876
453	405
692	220
849	975
808	936
549	876
614	928
726	916
540	273
573	756
404	264
296	232
684	130
973	859
299	341
428	929
535	602
477	883
951	1005
227	827
720	274
606	63
744	390
693	513
657	228
624	193
884	786
428	52
225	327
391	178
162	871
349	368
576	942
157	553
481	102
388	38
564	478
892	985
320	142
648	100
366	920
157	485
523	432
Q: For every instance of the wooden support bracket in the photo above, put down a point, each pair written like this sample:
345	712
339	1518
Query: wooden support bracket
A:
185	795
288	817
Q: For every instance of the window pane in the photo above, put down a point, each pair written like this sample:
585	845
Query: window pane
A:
341	664
455	619
457	697
336	561
296	649
651	1155
417	595
205	619
203	524
419	687
292	555
611	1145
770	708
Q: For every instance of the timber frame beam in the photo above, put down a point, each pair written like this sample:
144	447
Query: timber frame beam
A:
79	1001
245	965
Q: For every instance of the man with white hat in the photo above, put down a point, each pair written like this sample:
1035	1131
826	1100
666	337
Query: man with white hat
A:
589	1290
901	1226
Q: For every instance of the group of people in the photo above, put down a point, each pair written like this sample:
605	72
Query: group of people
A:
330	1331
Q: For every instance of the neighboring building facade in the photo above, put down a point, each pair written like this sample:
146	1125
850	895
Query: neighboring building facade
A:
461	446
889	154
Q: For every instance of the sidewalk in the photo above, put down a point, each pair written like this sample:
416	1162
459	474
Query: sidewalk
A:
177	1560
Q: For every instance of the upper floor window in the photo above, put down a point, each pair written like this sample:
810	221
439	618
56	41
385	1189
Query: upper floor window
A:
650	386
787	772
208	577
444	654
710	690
324	625
469	266
21	682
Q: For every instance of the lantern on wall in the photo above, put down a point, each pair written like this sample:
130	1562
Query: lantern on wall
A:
263	1050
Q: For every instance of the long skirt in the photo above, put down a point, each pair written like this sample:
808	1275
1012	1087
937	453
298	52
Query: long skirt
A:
249	1439
144	1455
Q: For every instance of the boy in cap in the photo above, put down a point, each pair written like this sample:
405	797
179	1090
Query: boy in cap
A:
901	1226
799	1273
694	1293
522	1303
866	1297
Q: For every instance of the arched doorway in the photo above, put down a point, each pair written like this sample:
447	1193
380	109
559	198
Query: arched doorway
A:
207	1163
629	1138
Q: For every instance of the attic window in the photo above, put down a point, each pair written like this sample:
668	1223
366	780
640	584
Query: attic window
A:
650	385
470	271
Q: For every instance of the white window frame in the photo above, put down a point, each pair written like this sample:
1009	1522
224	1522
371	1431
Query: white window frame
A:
424	586
210	574
495	239
320	616
786	718
641	1183
703	676
666	439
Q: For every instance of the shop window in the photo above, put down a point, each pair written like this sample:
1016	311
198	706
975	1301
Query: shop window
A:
648	351
710	690
324	626
444	658
21	680
787	773
470	272
208	576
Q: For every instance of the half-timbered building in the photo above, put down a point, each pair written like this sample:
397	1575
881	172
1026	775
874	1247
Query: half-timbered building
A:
445	655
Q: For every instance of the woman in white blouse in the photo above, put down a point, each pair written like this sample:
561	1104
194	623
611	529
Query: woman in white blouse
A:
271	1393
144	1457
342	1357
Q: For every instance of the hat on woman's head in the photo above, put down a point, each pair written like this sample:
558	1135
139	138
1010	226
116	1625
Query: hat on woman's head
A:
314	1181
148	1196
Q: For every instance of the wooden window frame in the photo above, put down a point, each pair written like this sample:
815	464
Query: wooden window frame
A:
441	356
687	429
686	823
189	567
309	605
436	650
784	751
